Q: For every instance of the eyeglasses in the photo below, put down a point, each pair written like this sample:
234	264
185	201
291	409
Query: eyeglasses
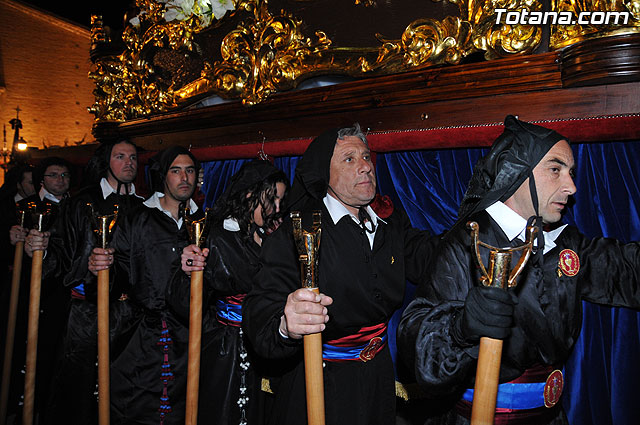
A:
58	176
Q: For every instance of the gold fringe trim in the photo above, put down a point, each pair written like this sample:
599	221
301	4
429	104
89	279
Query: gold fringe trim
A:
266	386
404	391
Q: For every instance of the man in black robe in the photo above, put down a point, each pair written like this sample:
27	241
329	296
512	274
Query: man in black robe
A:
148	378
365	255
527	178
52	181
18	184
111	172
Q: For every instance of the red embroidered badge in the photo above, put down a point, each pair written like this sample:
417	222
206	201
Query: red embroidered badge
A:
370	351
553	387
382	206
569	262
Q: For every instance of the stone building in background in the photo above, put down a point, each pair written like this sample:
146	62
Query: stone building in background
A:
44	62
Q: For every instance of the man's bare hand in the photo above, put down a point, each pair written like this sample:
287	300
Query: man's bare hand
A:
193	258
36	241
17	234
305	313
100	259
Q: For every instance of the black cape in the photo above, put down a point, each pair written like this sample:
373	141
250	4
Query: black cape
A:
547	319
367	286
148	379
75	401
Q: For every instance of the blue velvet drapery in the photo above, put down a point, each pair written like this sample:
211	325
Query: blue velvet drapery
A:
603	369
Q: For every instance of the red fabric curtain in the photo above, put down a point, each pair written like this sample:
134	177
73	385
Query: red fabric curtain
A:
597	129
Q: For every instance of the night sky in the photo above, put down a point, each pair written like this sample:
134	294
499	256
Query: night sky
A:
80	11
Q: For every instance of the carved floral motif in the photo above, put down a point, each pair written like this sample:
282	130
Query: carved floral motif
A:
566	35
163	68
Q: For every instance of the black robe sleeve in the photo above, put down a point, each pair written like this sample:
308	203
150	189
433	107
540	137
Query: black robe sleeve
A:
609	270
230	266
73	237
425	343
264	305
547	318
179	289
121	243
51	261
72	242
8	218
419	247
366	284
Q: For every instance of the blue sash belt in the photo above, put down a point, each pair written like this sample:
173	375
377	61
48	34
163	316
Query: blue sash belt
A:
333	352
79	289
229	312
516	395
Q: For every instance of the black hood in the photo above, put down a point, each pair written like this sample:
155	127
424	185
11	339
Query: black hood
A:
512	158
99	164
312	172
160	163
250	174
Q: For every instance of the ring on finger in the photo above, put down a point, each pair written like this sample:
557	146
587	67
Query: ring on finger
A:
189	262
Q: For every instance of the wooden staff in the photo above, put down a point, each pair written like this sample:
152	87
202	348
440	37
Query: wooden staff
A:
500	275
314	378
485	391
195	340
104	228
11	324
196	229
308	245
103	348
32	326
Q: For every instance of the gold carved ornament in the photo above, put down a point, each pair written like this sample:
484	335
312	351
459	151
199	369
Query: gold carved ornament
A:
126	84
563	35
268	53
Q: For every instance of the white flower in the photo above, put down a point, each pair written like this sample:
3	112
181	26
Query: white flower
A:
135	21
202	6
171	15
180	10
205	10
220	7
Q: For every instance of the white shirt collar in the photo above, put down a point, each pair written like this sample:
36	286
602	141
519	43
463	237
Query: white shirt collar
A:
337	211
18	197
154	202
231	224
45	194
514	226
107	189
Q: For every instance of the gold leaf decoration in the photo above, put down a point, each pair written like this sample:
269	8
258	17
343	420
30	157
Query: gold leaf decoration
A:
425	41
566	35
501	40
163	68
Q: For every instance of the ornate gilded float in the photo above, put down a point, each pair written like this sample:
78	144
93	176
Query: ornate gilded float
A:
174	53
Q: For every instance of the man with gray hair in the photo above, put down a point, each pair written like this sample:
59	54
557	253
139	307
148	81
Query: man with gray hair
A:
367	251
